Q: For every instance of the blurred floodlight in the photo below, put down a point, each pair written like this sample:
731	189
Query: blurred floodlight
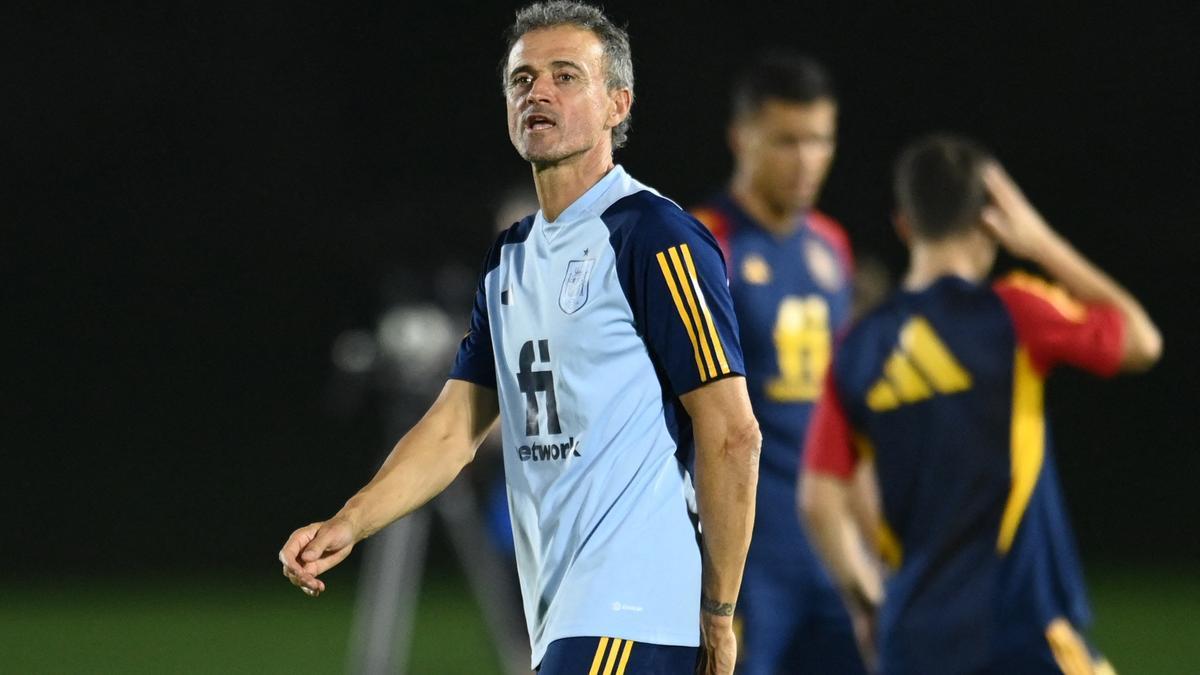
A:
416	337
355	351
515	203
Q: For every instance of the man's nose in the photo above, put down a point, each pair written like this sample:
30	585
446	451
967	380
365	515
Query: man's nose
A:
540	90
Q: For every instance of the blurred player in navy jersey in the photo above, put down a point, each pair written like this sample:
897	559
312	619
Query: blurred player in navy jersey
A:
790	272
941	391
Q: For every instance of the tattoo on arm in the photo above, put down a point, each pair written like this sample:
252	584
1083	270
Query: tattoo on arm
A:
713	607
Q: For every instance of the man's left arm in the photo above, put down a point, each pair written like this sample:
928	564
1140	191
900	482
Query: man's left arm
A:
727	449
674	277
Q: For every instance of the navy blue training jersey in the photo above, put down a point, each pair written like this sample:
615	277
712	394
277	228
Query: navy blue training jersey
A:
944	389
792	295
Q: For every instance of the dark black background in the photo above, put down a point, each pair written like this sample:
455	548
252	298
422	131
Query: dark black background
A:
200	197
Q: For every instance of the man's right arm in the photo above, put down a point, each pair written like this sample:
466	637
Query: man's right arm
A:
829	487
1024	233
832	474
421	465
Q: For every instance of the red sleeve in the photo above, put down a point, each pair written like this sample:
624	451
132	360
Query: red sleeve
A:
1056	328
833	232
828	447
718	224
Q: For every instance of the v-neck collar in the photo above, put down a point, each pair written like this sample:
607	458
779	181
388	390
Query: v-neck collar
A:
581	207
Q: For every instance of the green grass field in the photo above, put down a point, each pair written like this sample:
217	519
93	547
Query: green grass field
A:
1148	621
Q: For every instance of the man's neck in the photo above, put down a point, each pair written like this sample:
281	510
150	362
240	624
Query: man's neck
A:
778	222
559	185
930	261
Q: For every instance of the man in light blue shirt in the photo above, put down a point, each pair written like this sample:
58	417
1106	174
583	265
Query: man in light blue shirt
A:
603	336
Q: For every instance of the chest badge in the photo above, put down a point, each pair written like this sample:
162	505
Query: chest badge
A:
755	270
574	293
822	266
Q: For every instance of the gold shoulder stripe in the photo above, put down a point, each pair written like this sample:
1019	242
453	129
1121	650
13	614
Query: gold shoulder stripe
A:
713	334
598	657
612	656
1058	297
662	262
625	657
683	279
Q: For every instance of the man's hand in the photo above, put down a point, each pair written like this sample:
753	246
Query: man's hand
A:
1020	229
421	465
863	605
313	549
718	645
1010	218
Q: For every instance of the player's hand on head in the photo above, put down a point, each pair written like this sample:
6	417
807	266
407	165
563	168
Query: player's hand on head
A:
1009	217
314	549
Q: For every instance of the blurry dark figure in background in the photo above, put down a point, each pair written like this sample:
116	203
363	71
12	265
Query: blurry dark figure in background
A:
939	393
581	342
403	362
790	270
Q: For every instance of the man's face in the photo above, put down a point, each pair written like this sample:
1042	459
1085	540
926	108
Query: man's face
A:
786	149
558	102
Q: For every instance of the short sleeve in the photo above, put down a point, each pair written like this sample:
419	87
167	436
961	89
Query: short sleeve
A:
835	234
828	443
675	280
475	361
1056	328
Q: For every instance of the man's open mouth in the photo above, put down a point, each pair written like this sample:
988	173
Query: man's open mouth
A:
537	122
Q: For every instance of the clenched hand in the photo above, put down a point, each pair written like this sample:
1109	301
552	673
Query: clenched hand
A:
313	549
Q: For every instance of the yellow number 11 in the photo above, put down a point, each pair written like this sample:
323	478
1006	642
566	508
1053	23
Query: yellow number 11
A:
804	348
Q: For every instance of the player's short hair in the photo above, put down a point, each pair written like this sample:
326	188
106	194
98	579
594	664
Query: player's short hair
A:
779	74
618	58
938	185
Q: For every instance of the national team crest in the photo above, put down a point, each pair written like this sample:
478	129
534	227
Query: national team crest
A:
575	285
755	270
823	266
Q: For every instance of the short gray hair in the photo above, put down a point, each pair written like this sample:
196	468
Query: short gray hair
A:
618	59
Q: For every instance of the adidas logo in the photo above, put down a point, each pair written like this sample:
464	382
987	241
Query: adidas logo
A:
919	368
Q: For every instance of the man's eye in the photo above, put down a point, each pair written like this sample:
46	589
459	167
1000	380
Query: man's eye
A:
566	77
521	80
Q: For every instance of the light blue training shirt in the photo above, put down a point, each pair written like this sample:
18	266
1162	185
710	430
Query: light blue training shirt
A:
590	328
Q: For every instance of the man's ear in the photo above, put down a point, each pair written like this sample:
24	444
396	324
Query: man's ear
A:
621	100
903	227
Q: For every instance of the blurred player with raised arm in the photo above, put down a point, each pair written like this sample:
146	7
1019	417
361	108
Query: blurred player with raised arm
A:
941	390
603	336
790	276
